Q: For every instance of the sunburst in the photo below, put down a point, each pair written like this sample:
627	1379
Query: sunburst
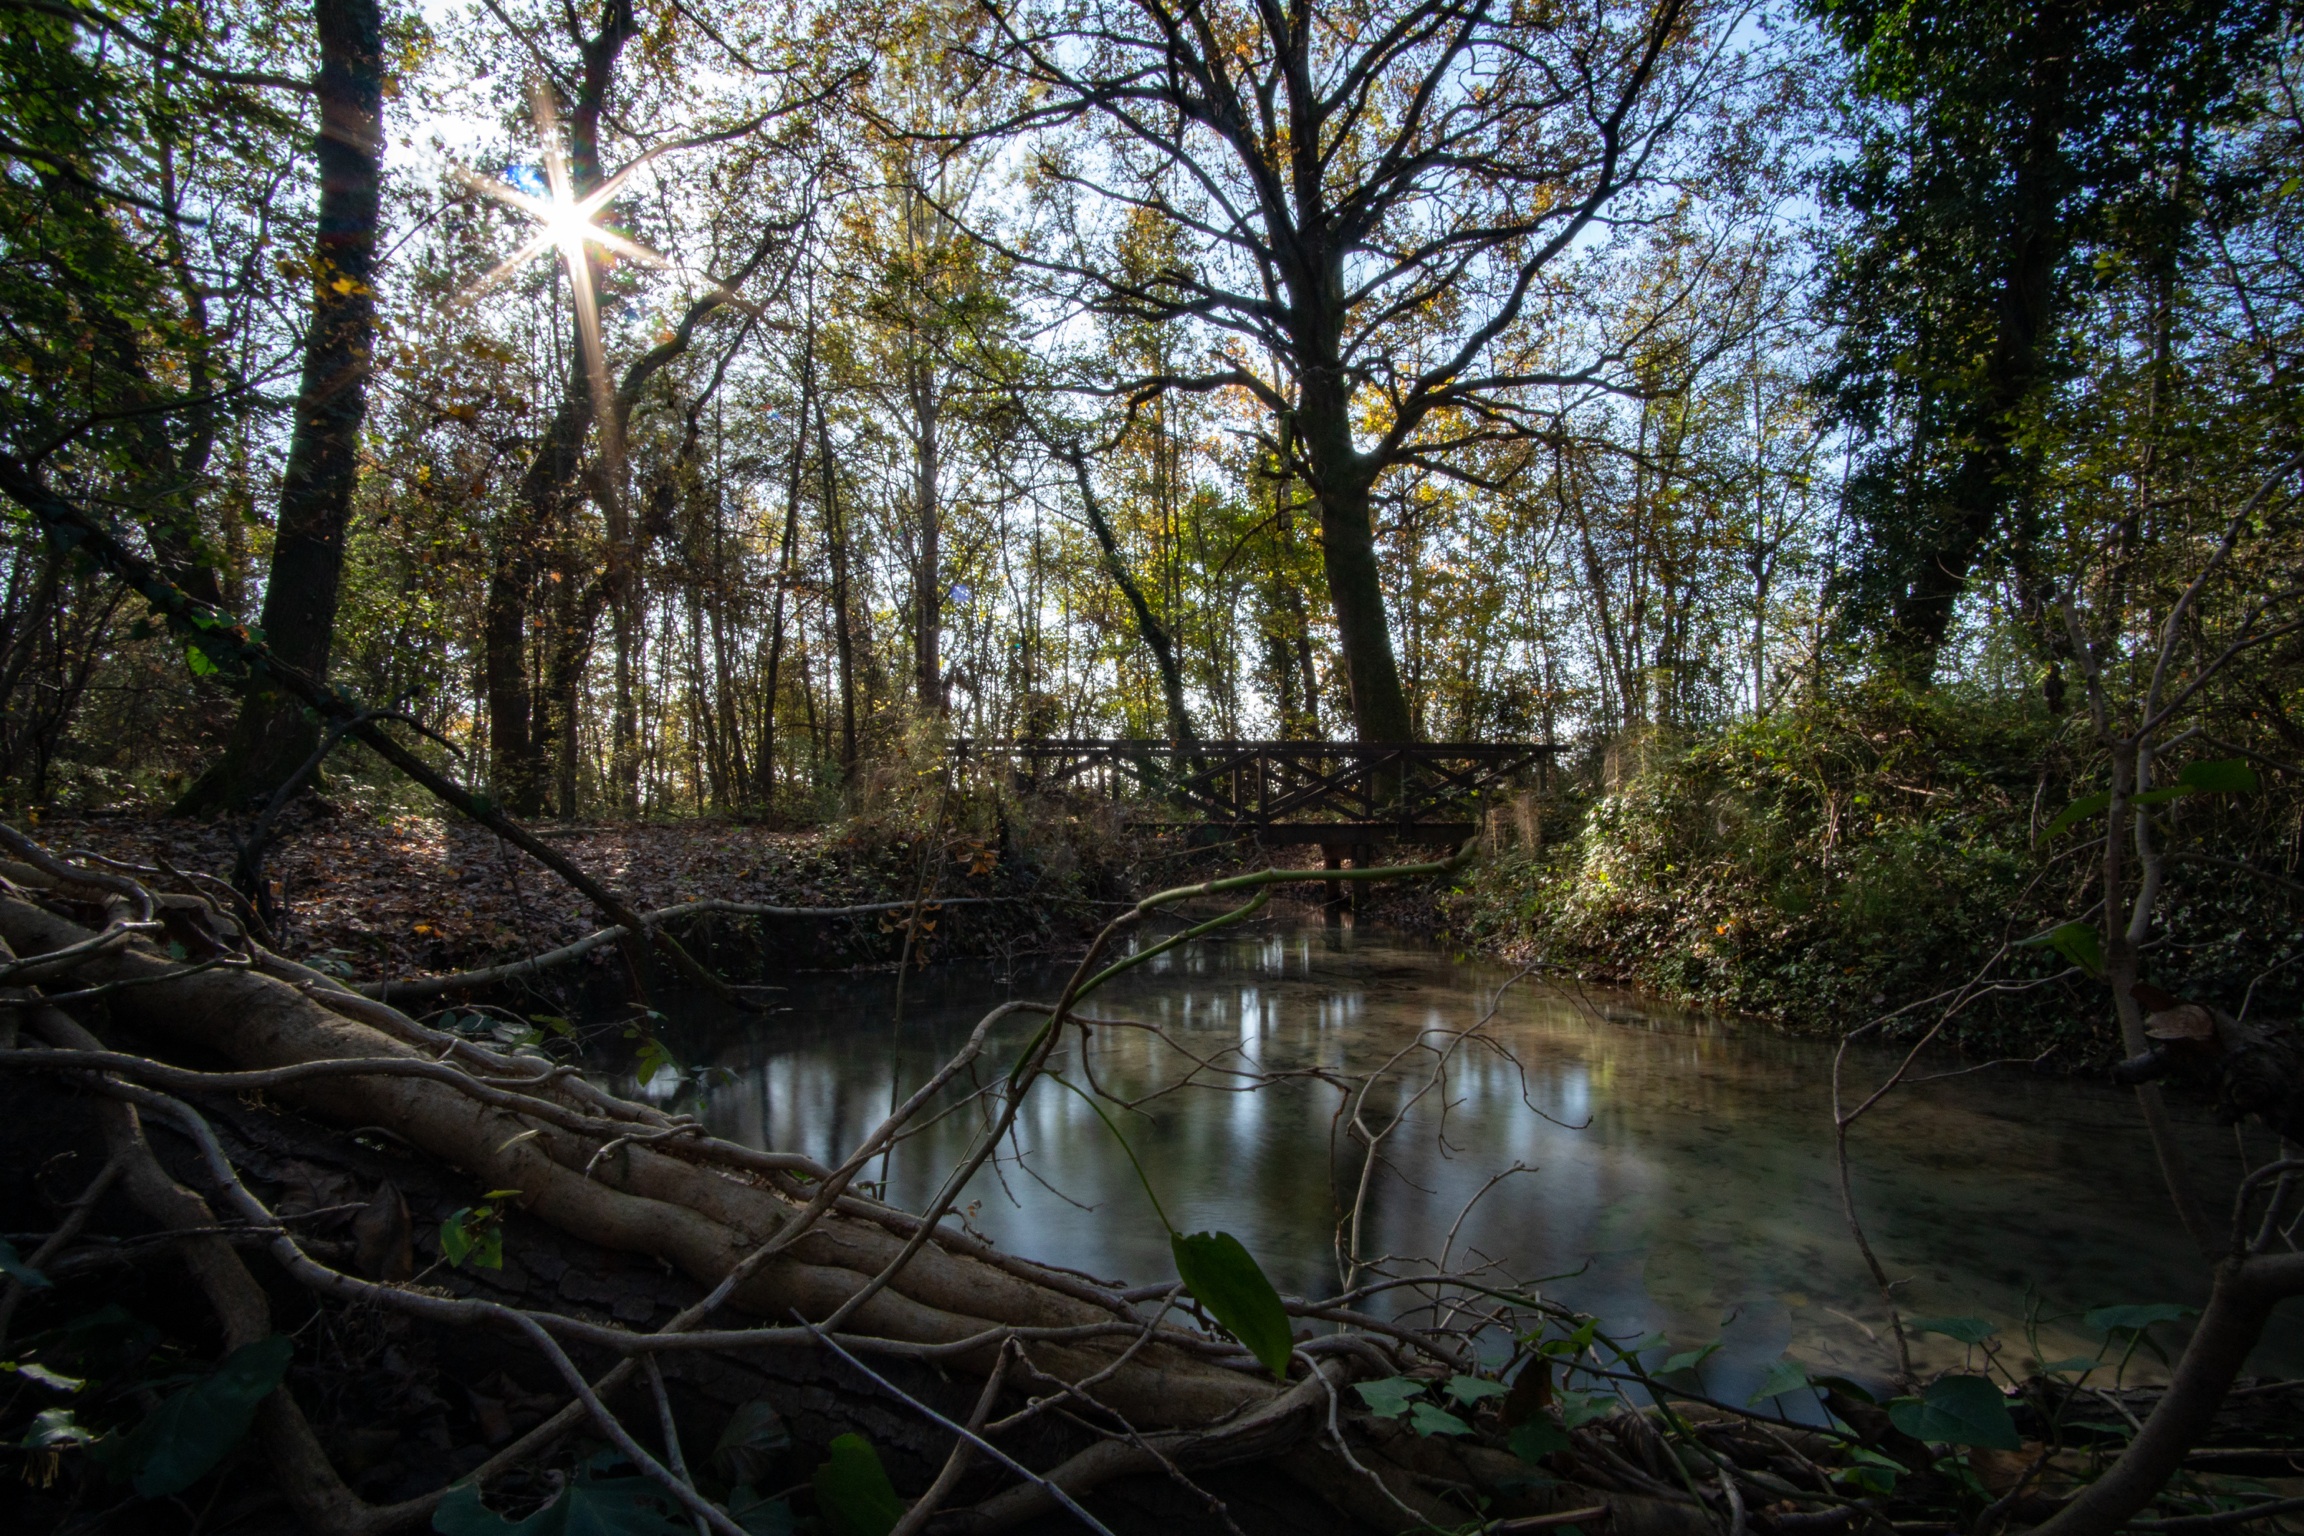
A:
569	225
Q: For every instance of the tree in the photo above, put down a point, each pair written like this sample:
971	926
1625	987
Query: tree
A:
1381	187
2003	146
274	735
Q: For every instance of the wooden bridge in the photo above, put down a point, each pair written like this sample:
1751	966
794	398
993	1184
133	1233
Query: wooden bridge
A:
1343	795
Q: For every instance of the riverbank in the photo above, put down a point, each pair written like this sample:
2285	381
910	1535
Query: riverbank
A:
1825	867
411	895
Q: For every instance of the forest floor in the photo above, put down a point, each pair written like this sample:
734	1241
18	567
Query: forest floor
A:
412	895
408	895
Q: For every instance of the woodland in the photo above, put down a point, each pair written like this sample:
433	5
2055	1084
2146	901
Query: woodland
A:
516	512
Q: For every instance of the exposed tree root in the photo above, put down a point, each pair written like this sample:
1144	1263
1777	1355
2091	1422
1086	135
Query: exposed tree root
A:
772	1264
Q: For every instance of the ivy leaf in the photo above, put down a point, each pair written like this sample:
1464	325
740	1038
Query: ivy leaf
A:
2075	813
1427	1419
472	1233
853	1493
759	1514
1468	1390
55	1381
1968	1330
653	1059
2076	942
2134	1318
1870	1471
1689	1359
749	1447
19	1271
1786	1375
2223	776
53	1427
193	1429
1578	1409
1389	1398
612	1506
1224	1278
1537	1439
1958	1410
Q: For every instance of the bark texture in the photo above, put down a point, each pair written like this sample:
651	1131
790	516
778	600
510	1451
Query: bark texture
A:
272	737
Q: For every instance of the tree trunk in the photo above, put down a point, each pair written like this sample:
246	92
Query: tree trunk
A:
928	572
1342	484
844	634
272	737
1149	629
1991	470
521	740
511	759
767	753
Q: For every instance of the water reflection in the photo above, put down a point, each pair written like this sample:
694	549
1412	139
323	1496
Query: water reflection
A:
1674	1173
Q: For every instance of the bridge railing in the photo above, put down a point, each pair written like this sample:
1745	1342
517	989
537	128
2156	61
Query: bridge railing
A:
1271	783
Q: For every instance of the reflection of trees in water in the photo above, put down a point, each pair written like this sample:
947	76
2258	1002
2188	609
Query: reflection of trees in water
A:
1695	1203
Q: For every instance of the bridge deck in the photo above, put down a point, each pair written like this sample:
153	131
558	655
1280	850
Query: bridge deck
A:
1334	792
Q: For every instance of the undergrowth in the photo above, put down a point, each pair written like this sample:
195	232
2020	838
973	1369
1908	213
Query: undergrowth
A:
1874	848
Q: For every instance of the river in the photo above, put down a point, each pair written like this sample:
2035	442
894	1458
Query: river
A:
1672	1174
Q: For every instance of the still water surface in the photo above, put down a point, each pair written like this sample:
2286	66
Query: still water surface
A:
1676	1171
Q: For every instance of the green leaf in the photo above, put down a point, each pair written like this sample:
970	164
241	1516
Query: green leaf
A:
1578	1409
653	1059
613	1506
1467	1390
1426	1419
759	1514
53	1380
180	1441
1968	1330
1689	1359
53	1427
755	1439
1389	1398
1786	1375
853	1493
198	660
2223	776
2075	813
2081	1363
1869	1471
472	1233
1222	1277
17	1270
1537	1439
1957	1410
2134	1318
2160	796
2076	942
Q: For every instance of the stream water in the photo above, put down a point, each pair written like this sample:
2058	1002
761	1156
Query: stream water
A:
1673	1173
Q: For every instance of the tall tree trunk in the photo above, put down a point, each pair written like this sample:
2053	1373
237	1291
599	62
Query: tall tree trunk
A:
928	571
504	665
843	631
767	754
1342	481
1994	468
272	738
521	743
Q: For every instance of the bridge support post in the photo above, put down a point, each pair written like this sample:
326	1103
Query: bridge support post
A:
1332	909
